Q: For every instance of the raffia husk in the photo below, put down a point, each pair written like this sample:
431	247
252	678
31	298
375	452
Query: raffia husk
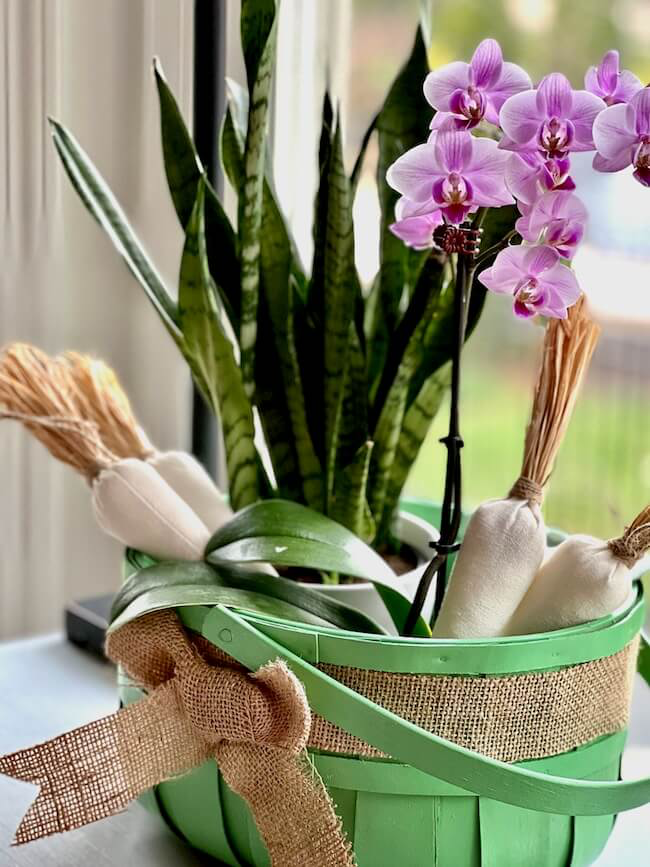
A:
73	404
568	346
632	544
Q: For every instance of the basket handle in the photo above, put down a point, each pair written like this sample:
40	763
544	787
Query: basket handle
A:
409	744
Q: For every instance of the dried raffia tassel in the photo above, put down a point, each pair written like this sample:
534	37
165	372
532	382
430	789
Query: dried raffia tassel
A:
584	578
77	409
504	543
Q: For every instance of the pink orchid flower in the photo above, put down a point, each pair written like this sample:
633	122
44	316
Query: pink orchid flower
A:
609	82
529	175
415	224
454	173
557	219
469	92
622	136
535	277
554	119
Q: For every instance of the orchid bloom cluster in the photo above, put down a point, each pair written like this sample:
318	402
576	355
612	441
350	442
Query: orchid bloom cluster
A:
496	140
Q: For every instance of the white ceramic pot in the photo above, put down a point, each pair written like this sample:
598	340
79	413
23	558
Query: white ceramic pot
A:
415	532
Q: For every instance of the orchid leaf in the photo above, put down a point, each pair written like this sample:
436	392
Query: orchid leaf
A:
258	32
96	195
306	603
288	534
183	169
211	353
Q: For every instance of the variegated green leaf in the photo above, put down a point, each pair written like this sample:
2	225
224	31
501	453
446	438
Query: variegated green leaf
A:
280	273
402	123
104	207
338	298
183	170
349	505
211	354
416	424
258	29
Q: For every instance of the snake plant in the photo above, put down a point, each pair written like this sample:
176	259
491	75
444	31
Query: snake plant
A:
345	378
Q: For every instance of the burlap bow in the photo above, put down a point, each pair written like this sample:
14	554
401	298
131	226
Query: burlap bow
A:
200	704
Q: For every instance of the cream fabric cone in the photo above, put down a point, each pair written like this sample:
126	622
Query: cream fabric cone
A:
581	580
135	505
498	560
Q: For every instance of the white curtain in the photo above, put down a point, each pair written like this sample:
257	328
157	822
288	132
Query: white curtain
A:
88	63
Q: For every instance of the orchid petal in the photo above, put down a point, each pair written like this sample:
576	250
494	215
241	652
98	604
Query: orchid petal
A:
641	103
415	172
520	117
556	94
405	208
614	164
441	83
585	109
486	63
513	79
608	71
417	231
538	259
562	284
506	272
628	85
453	149
614	130
486	172
522	172
592	84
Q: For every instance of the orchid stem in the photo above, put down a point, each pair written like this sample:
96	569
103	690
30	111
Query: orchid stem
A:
452	502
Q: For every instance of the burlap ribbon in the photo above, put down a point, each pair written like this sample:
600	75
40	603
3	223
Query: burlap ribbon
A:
199	705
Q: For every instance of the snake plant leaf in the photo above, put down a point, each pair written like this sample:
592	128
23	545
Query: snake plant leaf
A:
258	32
349	504
104	207
402	123
405	359
199	574
338	300
183	169
354	427
281	404
416	424
211	353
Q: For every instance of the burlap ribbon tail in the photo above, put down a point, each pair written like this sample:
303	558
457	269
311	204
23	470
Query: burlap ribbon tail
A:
200	705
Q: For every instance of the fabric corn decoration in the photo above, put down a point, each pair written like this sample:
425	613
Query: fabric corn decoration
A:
505	540
584	578
75	406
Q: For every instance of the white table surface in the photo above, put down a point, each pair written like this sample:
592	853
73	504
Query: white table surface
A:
48	686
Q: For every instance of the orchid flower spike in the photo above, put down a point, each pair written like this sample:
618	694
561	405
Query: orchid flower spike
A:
554	119
465	93
622	136
609	82
453	173
537	280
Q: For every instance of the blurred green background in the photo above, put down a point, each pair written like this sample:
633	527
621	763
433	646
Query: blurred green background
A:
602	477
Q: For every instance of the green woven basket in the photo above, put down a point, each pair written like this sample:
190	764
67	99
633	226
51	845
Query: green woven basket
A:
436	803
